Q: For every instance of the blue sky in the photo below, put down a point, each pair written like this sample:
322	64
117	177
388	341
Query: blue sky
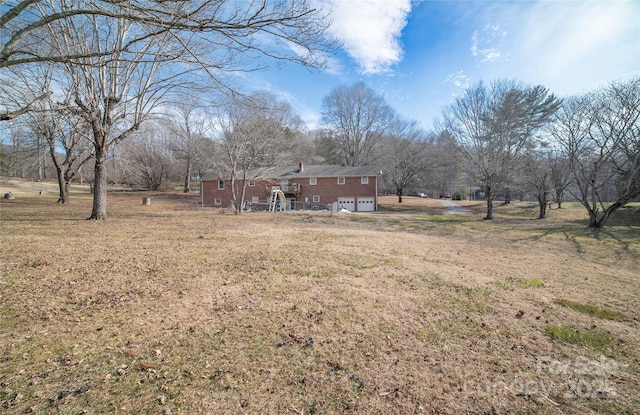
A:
420	55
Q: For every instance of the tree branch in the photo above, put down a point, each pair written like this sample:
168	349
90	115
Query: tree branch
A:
6	116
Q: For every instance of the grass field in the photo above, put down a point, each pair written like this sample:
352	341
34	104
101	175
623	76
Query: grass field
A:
174	309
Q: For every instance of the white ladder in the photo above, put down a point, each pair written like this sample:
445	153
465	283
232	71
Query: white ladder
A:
276	194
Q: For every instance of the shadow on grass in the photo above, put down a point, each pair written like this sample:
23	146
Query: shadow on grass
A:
419	222
626	237
623	235
35	209
43	209
519	224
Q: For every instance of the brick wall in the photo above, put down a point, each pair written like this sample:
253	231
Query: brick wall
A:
210	192
327	188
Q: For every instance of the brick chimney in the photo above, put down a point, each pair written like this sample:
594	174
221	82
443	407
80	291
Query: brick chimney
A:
300	167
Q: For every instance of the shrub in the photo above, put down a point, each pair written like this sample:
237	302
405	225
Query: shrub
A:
167	186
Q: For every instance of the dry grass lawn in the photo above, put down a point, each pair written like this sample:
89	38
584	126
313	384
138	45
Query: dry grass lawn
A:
175	309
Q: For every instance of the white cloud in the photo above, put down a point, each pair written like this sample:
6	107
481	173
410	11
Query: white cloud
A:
485	43
459	79
334	66
371	31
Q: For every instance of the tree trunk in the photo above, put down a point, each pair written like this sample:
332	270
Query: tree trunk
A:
187	184
489	205
399	193
599	222
63	192
489	209
543	205
187	178
559	195
543	210
244	193
63	188
41	169
237	210
594	222
99	211
507	197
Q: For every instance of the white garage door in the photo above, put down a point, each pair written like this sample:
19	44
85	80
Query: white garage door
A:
366	204
348	203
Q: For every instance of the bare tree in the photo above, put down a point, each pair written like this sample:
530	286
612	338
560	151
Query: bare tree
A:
405	156
537	169
220	23
68	144
358	119
146	158
189	127
249	134
560	176
20	90
445	167
325	148
19	153
600	135
545	173
216	36
123	57
297	145
493	125
10	114
54	127
112	95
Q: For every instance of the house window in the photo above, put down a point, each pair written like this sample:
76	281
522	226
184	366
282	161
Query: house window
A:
340	180
220	185
313	181
252	182
254	199
364	180
218	201
316	198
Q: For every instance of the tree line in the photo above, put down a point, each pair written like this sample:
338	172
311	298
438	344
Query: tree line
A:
513	136
143	92
113	65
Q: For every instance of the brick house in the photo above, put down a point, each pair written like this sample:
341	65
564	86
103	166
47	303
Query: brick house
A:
304	187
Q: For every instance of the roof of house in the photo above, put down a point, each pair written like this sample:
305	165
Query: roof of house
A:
292	172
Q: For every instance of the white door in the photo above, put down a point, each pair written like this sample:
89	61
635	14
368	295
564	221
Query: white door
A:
348	203
366	204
